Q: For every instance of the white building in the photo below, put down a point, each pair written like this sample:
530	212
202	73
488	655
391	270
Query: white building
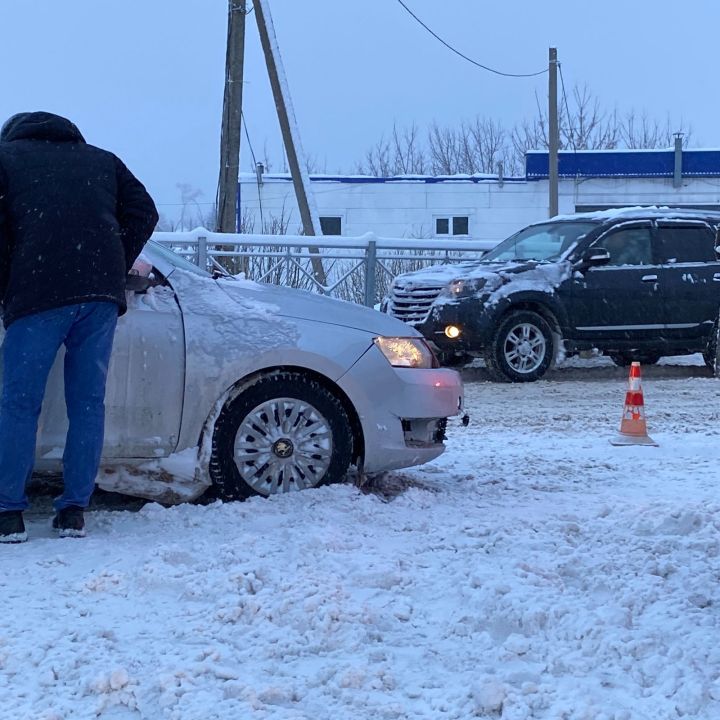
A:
484	207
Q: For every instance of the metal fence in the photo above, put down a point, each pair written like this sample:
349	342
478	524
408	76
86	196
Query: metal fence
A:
359	269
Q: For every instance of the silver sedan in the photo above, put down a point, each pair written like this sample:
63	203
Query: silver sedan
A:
245	388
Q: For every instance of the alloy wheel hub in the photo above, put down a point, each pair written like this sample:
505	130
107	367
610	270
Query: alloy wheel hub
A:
525	348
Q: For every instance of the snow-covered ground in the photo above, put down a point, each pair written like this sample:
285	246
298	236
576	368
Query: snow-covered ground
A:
534	571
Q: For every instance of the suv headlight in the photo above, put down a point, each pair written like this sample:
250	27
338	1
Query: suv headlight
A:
406	352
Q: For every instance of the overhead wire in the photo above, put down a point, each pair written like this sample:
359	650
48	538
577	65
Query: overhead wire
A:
567	109
465	57
255	165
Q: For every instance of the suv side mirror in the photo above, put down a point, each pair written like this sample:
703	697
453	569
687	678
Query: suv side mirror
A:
594	257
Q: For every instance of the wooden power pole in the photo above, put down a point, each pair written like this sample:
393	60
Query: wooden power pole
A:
231	119
553	132
288	127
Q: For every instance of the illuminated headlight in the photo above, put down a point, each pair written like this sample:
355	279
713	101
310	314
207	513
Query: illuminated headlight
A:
453	332
406	352
456	287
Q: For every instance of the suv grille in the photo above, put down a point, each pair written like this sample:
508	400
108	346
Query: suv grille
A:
412	304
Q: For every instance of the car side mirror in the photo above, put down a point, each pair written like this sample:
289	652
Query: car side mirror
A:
137	283
595	257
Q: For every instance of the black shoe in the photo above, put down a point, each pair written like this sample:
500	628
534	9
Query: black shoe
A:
12	527
70	521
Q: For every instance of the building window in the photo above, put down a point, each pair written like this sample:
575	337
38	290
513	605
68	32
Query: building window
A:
458	225
461	225
331	225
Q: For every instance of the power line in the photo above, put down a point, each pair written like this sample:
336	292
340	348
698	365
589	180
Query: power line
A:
567	109
465	57
257	174
247	135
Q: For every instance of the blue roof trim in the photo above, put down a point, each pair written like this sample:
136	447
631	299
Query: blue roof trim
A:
428	179
624	163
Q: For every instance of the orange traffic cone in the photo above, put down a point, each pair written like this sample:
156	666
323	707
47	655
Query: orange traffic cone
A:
633	430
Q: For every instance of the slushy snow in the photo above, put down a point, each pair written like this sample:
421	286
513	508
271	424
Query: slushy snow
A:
533	571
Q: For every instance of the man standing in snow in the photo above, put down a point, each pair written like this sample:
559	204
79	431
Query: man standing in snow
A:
73	219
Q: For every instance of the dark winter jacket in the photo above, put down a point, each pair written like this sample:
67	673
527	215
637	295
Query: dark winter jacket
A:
73	218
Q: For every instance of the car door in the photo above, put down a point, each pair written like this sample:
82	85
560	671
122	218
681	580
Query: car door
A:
619	303
689	278
146	377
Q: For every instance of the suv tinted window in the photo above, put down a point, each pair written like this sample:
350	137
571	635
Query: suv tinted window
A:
631	246
686	244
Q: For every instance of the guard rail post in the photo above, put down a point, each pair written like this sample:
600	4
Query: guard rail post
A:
202	252
370	269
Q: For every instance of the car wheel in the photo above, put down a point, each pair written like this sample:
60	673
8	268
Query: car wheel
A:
521	349
282	433
625	360
712	360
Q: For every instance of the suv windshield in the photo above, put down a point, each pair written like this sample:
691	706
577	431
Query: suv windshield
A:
540	242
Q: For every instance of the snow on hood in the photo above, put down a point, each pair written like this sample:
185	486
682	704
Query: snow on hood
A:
303	305
500	279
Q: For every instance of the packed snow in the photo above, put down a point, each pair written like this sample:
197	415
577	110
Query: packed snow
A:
533	571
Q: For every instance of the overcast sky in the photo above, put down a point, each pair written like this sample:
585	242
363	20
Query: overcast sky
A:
144	78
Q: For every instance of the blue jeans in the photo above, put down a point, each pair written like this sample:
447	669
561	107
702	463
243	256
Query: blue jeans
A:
31	344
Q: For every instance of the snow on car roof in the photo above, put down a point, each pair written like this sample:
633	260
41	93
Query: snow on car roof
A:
637	211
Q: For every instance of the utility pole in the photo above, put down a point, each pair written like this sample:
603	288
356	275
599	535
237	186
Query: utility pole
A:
288	127
553	131
231	119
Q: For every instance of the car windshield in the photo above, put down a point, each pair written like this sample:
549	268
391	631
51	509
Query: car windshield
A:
547	242
175	259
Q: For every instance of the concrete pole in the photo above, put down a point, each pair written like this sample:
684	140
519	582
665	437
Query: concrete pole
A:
553	133
677	174
278	83
227	211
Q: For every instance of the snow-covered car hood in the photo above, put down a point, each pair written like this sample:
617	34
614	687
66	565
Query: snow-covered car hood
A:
493	281
440	275
303	305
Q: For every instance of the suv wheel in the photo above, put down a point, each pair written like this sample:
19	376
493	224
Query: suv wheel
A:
710	355
521	349
625	359
284	432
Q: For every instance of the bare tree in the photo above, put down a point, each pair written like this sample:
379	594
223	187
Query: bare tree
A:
584	125
401	154
445	150
642	132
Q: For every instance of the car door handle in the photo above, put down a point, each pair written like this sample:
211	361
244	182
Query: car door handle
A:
649	278
716	277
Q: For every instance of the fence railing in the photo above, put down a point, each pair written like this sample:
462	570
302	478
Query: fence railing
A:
359	269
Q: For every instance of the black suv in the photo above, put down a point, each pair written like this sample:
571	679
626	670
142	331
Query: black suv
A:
635	283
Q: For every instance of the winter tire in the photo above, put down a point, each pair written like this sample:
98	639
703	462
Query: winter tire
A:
282	433
626	359
710	355
522	348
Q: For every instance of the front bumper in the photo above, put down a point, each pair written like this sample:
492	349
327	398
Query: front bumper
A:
471	317
402	410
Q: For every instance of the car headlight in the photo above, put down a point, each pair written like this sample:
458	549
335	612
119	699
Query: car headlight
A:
406	352
457	286
470	286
